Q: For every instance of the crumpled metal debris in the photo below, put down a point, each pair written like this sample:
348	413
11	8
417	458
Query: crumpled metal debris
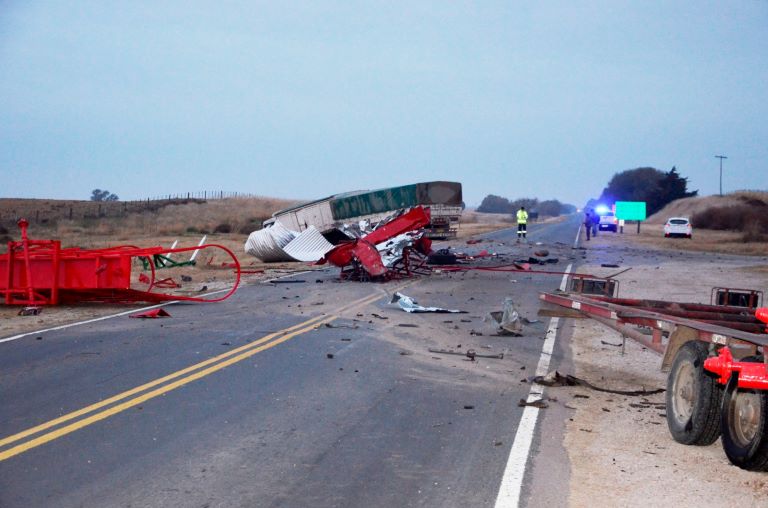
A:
507	321
396	248
410	305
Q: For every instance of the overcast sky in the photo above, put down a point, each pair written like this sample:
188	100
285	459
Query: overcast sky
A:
306	99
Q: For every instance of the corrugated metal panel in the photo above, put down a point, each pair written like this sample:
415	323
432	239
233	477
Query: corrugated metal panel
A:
267	244
310	245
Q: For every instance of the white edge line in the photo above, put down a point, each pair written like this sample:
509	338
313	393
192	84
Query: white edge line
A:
102	318
514	472
576	241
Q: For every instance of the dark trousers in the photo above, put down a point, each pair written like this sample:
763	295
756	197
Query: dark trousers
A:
521	230
588	229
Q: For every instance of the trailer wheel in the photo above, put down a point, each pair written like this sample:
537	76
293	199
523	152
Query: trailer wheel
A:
693	397
745	425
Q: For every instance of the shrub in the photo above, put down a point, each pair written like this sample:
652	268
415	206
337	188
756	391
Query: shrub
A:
755	231
223	228
749	218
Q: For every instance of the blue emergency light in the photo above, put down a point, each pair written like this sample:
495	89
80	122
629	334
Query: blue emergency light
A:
602	209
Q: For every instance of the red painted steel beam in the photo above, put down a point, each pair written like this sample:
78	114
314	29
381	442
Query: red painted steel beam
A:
752	375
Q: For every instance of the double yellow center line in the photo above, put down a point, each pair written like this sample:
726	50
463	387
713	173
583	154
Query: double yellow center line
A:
135	396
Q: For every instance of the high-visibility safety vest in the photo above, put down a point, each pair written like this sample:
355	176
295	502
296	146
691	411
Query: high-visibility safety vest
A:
522	217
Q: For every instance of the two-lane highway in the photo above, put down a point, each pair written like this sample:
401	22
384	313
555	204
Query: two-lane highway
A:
291	394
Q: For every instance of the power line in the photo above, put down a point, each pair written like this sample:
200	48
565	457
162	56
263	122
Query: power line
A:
721	157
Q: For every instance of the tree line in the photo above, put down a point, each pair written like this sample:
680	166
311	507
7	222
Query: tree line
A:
655	187
546	208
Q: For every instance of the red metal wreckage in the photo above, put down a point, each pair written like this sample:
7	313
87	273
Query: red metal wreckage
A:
396	249
40	272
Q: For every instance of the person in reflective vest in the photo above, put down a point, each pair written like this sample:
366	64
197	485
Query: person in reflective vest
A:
522	223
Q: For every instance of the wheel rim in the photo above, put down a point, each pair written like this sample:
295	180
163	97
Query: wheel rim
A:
745	417
683	390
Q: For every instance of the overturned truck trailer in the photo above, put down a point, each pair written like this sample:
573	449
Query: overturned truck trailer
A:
444	200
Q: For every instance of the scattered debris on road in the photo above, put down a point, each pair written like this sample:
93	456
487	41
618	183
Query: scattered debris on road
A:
151	314
554	379
539	403
469	353
410	305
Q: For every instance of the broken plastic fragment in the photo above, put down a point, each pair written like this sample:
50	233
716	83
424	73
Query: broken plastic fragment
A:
508	320
408	304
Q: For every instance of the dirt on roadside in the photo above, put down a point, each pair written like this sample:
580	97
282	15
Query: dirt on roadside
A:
620	450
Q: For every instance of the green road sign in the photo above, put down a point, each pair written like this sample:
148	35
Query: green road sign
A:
630	210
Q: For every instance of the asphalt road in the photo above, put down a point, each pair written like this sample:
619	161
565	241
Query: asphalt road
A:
289	394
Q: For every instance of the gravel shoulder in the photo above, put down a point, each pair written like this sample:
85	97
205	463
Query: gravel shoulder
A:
619	448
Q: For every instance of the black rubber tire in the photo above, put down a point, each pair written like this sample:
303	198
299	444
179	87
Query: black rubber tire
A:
748	451
693	397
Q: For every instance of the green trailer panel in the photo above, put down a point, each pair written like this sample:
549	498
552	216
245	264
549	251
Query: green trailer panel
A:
346	206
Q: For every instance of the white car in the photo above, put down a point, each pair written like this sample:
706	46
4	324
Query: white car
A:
608	222
678	226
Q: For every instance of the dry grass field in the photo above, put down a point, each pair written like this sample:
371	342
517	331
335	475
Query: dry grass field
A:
143	226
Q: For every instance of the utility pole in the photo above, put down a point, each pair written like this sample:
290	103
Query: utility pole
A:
721	157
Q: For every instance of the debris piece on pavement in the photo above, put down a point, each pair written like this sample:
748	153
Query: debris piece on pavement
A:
329	355
186	278
541	253
540	403
30	311
609	265
331	325
508	320
610	344
379	316
554	378
410	305
469	353
408	325
151	314
442	257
